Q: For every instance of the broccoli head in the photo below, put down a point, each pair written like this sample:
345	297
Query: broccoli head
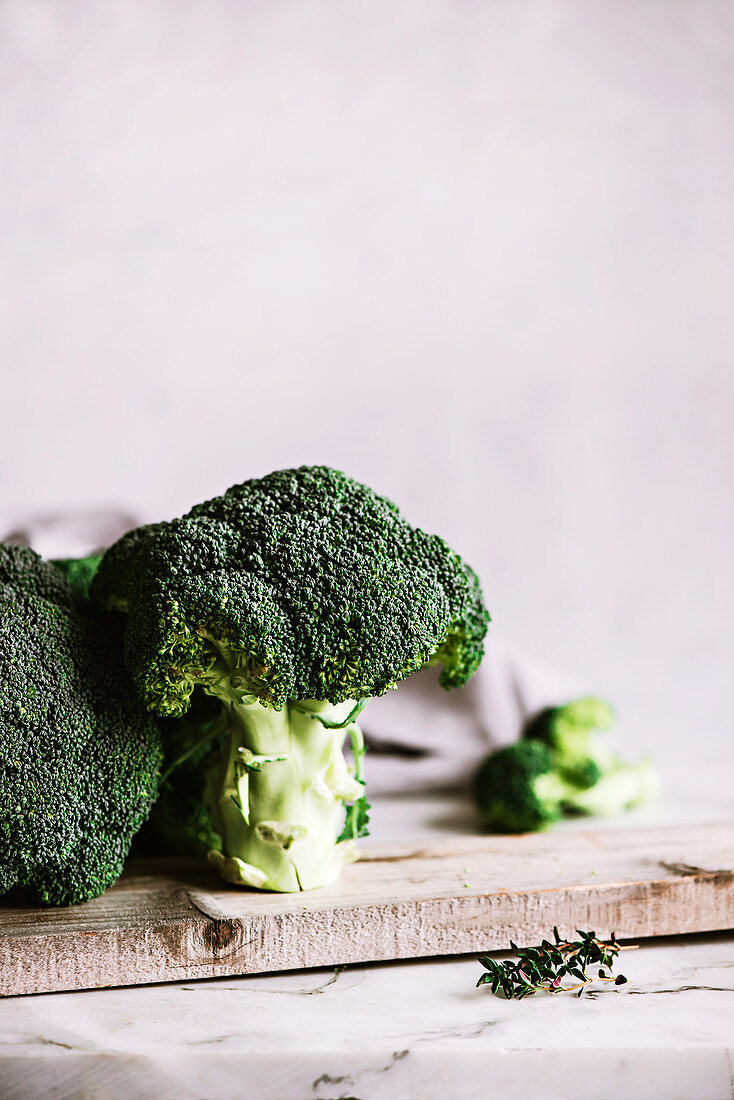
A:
292	599
312	585
79	755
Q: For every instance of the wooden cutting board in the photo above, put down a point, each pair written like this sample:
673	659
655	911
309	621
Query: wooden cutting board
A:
172	920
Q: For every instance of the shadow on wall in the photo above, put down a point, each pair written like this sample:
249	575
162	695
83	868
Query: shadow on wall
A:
67	534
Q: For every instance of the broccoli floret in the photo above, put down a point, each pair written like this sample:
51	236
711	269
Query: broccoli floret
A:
79	571
561	766
518	789
575	733
291	599
79	755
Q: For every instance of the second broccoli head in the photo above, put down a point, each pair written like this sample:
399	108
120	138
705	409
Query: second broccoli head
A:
79	755
291	599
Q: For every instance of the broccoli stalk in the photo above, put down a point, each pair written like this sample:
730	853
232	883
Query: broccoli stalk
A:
277	794
621	788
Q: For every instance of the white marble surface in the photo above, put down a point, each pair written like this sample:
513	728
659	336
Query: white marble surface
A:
403	1030
400	1030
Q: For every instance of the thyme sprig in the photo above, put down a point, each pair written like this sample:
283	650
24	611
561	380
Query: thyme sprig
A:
545	967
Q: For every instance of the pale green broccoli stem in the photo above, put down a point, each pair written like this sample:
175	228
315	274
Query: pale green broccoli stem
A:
552	789
356	823
576	747
625	786
277	797
358	751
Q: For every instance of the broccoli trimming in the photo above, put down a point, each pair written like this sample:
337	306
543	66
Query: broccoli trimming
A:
291	599
79	754
561	766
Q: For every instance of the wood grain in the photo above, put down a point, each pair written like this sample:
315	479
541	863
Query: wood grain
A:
173	920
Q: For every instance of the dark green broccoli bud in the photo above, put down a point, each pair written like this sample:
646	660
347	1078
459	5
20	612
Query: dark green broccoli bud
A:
79	756
518	790
575	733
291	598
79	571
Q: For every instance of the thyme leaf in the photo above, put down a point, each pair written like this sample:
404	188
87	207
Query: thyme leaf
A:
544	968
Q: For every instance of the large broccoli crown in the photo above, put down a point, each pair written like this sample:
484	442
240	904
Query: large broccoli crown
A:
79	757
306	583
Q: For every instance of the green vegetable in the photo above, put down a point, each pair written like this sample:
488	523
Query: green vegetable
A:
518	790
79	571
545	967
562	765
180	823
357	820
79	755
291	599
277	795
572	731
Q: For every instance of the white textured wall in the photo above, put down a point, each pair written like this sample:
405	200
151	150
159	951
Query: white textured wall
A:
480	255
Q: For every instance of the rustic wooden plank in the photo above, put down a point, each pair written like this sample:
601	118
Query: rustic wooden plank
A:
173	920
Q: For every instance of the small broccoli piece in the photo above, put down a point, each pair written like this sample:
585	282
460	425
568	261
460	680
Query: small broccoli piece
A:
561	766
79	755
79	571
518	789
291	599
